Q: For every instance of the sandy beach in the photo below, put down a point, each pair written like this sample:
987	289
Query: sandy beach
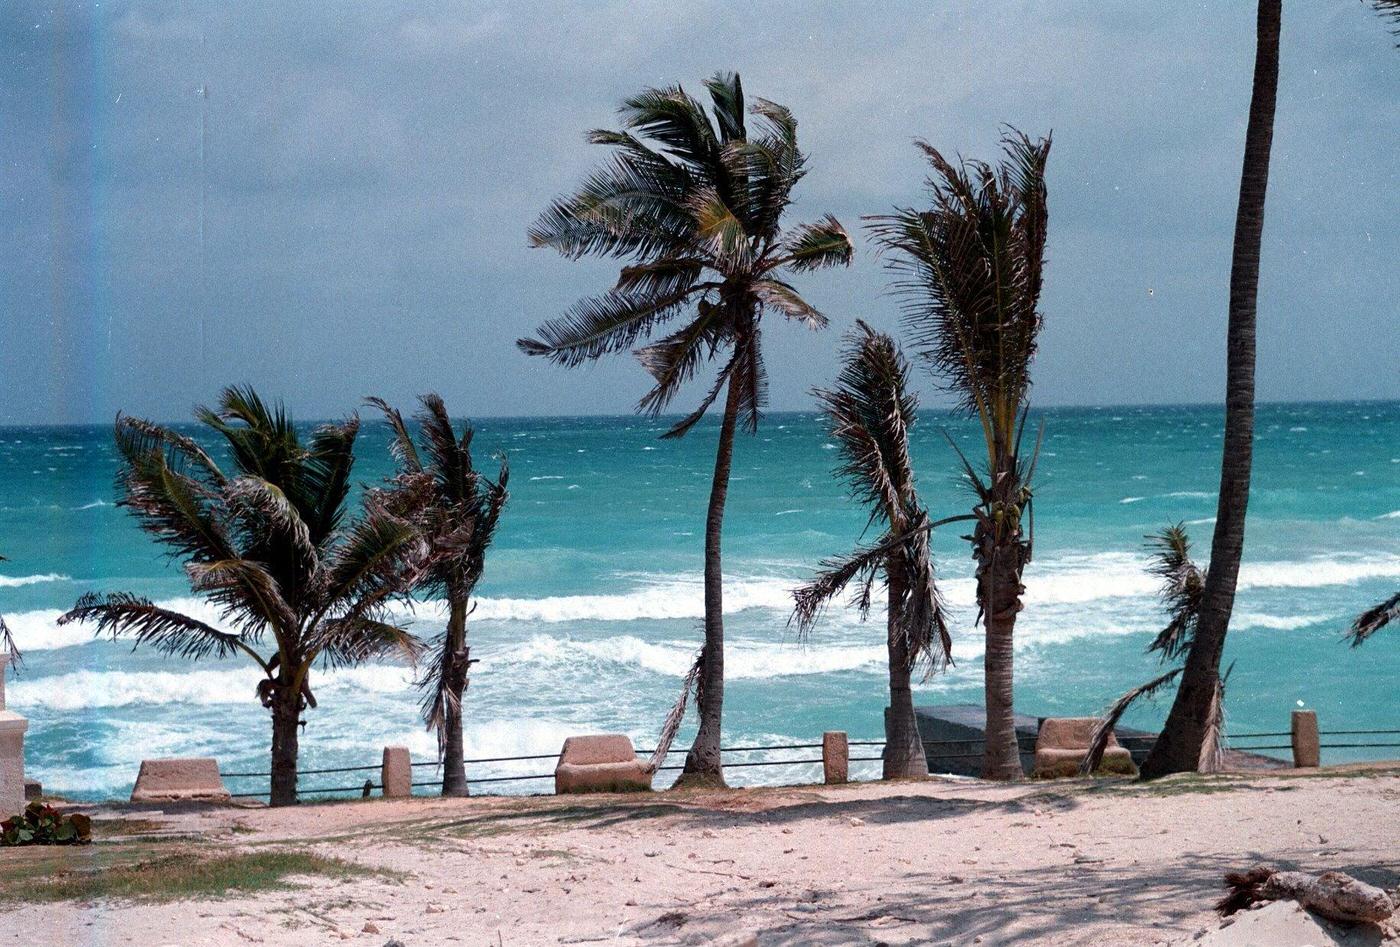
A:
931	862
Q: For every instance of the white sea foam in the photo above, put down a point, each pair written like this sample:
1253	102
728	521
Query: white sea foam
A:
13	581
95	504
1392	515
1132	499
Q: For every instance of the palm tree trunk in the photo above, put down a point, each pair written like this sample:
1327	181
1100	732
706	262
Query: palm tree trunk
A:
286	719
999	590
702	763
904	751
1179	747
454	766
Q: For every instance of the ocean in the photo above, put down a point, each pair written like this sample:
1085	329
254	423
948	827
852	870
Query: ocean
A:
589	612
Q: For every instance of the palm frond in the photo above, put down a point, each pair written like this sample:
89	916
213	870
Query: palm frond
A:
325	477
968	272
379	555
348	641
1373	620
674	360
1389	10
870	411
676	122
246	594
600	325
131	616
672	724
1212	757
727	94
751	380
442	684
776	294
138	437
1183	584
402	445
1098	743
814	246
261	506
683	426
834	574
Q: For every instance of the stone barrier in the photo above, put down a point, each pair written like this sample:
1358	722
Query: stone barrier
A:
190	779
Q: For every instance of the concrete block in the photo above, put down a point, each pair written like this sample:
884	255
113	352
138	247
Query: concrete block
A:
396	773
600	763
1062	743
836	757
192	779
1307	747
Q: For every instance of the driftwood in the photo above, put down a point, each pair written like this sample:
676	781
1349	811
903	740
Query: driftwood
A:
1332	894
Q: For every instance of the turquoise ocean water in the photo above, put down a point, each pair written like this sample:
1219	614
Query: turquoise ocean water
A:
590	610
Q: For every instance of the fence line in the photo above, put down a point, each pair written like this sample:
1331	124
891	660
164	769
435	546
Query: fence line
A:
370	785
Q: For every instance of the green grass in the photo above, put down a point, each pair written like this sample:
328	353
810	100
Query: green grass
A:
141	874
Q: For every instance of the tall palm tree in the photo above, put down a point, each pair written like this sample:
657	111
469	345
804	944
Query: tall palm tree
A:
1179	747
695	202
870	412
969	274
457	508
269	544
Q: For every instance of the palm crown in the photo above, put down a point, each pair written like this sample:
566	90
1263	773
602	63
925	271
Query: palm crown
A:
695	203
870	411
266	542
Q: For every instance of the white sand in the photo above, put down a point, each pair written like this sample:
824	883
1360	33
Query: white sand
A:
899	863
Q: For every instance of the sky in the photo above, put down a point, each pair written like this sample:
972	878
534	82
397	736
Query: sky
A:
331	200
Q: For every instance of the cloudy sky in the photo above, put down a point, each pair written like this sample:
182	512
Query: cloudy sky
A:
330	200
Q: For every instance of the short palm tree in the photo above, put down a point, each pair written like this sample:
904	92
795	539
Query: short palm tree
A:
695	203
969	274
870	413
457	508
269	544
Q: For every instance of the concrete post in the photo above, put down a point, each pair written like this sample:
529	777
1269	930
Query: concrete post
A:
12	727
395	775
1307	748
836	758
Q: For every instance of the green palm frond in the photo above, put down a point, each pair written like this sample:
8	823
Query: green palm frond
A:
674	360
131	616
353	640
814	246
1183	584
1373	620
325	477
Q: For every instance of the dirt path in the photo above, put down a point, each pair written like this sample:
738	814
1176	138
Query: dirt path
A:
902	863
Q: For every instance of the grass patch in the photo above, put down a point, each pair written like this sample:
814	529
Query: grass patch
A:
142	875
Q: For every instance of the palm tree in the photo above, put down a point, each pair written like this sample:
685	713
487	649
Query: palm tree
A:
870	412
269	544
695	203
457	508
1185	733
969	273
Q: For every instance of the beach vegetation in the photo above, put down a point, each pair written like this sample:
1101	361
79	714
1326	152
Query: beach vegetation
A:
968	272
269	543
694	202
1187	734
456	507
870	411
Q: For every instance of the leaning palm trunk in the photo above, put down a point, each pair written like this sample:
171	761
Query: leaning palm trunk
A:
1183	737
703	765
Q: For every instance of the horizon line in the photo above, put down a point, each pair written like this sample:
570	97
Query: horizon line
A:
809	411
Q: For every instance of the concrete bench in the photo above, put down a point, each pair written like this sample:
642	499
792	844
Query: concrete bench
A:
600	763
1062	743
179	780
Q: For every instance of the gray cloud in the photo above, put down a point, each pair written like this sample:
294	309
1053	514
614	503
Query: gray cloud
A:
343	209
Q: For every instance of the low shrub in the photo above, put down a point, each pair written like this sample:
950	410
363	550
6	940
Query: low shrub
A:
41	824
